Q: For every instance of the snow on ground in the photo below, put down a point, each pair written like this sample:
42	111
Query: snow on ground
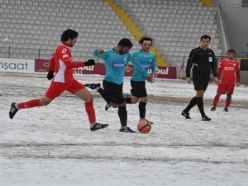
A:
53	145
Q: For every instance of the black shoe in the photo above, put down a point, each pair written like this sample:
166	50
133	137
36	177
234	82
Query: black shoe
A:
108	105
13	110
205	118
93	86
213	109
186	115
98	126
126	129
225	109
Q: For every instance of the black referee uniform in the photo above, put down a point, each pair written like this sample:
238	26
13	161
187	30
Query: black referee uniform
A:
202	62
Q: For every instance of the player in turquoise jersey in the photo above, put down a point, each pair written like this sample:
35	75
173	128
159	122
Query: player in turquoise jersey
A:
147	60
115	61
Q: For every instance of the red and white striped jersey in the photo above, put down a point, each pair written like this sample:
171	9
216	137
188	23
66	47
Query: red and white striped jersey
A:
61	64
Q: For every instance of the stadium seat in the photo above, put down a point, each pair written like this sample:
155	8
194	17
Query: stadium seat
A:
38	25
175	25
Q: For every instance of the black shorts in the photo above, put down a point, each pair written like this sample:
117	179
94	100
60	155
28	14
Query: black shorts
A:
200	82
114	91
138	88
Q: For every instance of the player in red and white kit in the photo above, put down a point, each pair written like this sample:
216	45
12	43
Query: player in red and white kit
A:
61	63
229	75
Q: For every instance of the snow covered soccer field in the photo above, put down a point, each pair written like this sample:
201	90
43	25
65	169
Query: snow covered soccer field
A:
53	145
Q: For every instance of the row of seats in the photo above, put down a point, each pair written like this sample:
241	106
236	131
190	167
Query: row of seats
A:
169	21
36	25
39	24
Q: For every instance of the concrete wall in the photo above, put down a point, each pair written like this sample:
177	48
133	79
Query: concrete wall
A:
229	3
237	28
232	3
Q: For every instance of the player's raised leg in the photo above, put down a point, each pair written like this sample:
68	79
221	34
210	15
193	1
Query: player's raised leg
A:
15	107
54	90
104	94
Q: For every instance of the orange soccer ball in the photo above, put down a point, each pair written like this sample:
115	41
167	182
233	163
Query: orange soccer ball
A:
143	126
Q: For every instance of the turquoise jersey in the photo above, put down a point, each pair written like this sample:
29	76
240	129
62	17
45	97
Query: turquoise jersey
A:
115	65
142	61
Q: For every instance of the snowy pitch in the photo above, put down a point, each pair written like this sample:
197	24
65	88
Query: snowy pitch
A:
53	145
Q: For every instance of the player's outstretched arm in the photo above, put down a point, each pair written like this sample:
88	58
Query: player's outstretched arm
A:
99	53
70	64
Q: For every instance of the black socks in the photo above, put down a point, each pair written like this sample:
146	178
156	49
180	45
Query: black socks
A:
142	109
191	104
122	112
200	105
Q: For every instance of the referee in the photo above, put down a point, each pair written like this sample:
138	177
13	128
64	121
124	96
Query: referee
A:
202	61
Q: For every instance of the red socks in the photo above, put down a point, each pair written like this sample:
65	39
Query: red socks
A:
216	99
29	104
89	107
228	102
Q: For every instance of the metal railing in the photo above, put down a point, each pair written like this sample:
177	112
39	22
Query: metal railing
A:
34	53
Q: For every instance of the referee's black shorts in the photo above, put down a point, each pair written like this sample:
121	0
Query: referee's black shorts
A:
114	91
138	88
200	81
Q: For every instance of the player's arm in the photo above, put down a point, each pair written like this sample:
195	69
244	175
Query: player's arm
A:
69	64
220	68
214	66
189	66
50	73
237	75
99	53
154	67
214	69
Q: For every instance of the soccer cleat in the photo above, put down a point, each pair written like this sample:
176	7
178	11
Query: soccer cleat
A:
93	86
108	105
126	129
98	126
205	118
147	121
13	110
213	109
225	109
186	115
